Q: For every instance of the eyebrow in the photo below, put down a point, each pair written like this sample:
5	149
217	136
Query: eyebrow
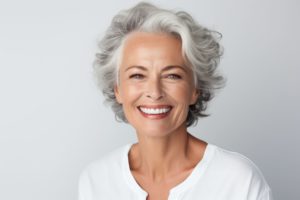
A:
136	66
169	67
174	67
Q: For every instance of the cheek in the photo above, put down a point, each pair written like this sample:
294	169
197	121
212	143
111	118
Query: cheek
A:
130	93
181	93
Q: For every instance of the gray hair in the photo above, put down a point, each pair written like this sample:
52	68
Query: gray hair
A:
200	48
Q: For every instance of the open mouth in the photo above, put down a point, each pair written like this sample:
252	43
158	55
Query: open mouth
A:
154	112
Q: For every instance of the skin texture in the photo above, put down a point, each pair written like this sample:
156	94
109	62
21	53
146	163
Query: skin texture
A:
153	74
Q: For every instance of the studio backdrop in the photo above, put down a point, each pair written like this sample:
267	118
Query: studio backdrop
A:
53	121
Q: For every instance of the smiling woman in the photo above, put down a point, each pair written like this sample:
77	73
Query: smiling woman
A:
157	68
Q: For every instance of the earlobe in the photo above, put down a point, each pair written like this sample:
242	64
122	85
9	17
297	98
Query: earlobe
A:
117	94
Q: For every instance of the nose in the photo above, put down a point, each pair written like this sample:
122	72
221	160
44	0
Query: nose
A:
154	90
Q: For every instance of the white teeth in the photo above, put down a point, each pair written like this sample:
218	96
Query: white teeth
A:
155	111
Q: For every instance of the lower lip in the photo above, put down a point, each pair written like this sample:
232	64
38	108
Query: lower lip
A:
155	116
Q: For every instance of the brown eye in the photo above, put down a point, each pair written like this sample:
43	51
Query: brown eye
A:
136	76
173	76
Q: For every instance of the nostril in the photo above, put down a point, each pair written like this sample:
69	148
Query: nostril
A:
155	96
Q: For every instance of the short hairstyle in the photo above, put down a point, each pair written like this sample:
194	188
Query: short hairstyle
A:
200	48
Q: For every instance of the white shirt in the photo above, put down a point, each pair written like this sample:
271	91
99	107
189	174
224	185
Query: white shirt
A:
220	175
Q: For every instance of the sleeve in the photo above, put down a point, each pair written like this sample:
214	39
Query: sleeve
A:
253	180
258	188
84	187
266	195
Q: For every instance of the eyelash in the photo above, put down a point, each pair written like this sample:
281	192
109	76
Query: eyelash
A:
169	76
136	76
173	76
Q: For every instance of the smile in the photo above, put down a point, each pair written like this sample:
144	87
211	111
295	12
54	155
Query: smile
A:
155	111
159	111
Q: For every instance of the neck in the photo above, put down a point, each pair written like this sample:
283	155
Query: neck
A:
158	157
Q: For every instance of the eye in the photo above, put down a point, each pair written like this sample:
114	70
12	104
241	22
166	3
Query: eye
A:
136	76
173	76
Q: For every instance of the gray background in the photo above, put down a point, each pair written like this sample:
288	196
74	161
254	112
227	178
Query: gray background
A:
53	121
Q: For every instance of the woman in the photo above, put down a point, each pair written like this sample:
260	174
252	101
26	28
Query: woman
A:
157	68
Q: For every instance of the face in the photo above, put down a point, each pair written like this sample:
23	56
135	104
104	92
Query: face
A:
155	86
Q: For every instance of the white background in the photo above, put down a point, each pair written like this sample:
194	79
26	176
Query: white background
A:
53	121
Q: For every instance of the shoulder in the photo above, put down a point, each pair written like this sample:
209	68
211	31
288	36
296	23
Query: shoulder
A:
234	160
101	177
236	163
239	171
106	165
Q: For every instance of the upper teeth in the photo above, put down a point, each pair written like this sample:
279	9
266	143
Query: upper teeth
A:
154	110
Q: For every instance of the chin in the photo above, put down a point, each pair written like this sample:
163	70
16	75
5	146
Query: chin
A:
156	131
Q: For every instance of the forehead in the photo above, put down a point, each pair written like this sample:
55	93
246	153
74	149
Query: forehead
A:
135	38
152	47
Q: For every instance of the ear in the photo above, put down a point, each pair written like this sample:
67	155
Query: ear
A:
117	94
195	96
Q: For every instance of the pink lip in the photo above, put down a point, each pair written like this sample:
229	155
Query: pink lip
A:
155	106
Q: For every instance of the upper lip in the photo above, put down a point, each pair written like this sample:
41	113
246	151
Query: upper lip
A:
155	106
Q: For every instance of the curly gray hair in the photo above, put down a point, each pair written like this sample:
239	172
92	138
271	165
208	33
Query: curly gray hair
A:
200	48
